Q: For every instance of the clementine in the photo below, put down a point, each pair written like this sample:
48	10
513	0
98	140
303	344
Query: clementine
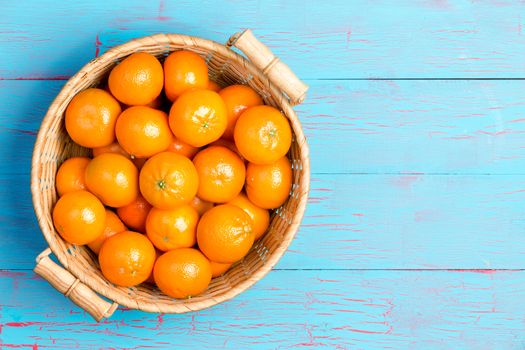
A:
113	226
237	99
135	213
268	186
71	175
184	70
172	228
260	217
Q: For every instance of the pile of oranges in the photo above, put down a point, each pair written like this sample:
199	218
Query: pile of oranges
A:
183	176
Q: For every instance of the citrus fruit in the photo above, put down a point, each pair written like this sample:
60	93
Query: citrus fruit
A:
111	148
91	116
225	233
182	273
262	134
182	148
168	180
218	269
184	70
198	117
237	99
151	278
260	217
221	174
213	86
201	206
228	144
79	217
113	226
137	80
71	175
135	213
172	228
113	178
268	186
127	258
143	131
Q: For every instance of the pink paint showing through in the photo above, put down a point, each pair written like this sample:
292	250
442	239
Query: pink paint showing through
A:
97	46
405	182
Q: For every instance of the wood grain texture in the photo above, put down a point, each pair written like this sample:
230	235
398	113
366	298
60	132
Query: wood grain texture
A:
290	309
341	39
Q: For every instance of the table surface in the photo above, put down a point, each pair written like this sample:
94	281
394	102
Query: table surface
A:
414	234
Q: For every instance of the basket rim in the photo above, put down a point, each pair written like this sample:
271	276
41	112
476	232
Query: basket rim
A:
178	305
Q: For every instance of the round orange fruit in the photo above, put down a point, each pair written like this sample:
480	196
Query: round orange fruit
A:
151	278
213	86
91	116
79	217
113	226
201	206
182	273
217	269
143	131
111	148
113	178
184	70
135	213
260	217
221	174
168	180
237	99
172	228
137	80
262	134
268	186
71	175
127	258
229	144
182	148
225	233
198	117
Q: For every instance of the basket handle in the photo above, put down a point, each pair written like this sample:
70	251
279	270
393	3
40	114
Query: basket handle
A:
278	72
67	284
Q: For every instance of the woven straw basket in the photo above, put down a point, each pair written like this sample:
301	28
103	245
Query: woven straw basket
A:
80	278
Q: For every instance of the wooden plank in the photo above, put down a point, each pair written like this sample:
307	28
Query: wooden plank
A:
289	309
359	221
342	39
438	127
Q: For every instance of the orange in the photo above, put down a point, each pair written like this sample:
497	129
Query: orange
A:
168	180
113	226
111	148
218	269
237	99
228	144
71	175
182	148
213	86
262	134
79	217
127	258
113	178
225	233
184	70
143	131
198	117
137	80
135	213
221	174
151	278
182	273
201	206
91	116
260	217
139	162
268	186
172	228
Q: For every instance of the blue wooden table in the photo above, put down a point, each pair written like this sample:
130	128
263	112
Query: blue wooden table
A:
414	235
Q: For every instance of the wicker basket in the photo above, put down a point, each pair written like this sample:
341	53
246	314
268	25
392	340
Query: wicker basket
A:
80	278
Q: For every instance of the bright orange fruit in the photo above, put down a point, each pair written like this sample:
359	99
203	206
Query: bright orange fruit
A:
111	148
168	180
259	216
127	258
237	99
213	86
198	117
217	269
221	174
184	70
262	134
137	80
182	148
143	131
201	206
225	233
91	116
113	226
172	228
268	186
135	213
71	175
79	217
182	273
113	178
229	144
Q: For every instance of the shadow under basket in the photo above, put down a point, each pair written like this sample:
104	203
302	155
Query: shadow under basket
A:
79	277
